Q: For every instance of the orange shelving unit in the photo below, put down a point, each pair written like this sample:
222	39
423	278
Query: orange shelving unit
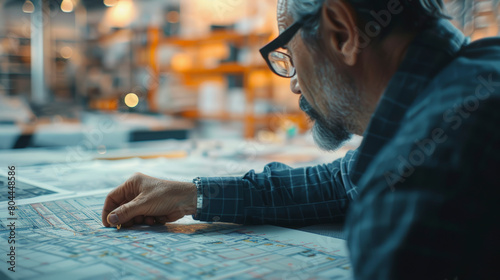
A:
195	74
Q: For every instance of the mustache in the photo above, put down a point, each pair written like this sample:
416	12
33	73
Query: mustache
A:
308	109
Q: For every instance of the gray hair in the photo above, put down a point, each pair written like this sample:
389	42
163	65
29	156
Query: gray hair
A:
415	14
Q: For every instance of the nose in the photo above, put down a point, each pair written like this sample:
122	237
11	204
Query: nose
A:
294	85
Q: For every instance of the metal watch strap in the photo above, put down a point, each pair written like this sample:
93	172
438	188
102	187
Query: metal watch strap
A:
199	194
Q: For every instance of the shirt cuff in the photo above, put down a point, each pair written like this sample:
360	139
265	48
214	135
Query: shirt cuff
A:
219	199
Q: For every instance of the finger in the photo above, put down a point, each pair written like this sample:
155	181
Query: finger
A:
113	200
161	220
118	196
128	224
149	220
125	213
139	220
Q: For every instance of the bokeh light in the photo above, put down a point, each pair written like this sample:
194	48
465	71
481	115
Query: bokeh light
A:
131	100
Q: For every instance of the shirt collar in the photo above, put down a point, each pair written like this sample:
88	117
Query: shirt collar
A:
429	52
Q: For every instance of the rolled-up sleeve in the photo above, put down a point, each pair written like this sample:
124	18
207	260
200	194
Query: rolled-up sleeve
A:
280	195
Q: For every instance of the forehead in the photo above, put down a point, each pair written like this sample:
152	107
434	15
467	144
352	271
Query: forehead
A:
284	16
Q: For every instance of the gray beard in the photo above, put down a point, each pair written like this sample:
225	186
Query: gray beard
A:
328	134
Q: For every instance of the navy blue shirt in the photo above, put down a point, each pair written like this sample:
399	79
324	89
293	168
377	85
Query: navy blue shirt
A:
420	193
428	204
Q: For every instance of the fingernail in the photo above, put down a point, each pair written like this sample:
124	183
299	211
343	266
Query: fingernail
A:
113	218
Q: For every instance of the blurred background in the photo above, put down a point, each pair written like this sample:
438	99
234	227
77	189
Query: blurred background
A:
118	71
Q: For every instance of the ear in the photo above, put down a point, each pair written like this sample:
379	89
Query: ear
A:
339	30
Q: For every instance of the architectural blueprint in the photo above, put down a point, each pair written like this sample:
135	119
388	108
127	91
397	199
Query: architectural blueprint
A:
26	189
65	239
59	234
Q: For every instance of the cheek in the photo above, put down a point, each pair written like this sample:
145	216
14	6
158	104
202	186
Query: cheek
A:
312	90
308	78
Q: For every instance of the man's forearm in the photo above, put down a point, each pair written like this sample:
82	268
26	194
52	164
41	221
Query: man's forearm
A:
280	195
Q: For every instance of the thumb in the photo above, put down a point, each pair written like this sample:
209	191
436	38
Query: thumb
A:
124	213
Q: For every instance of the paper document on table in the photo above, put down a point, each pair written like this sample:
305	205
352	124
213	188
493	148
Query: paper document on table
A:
65	239
26	189
95	175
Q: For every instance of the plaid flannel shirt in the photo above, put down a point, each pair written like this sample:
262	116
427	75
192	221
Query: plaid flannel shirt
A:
421	189
427	206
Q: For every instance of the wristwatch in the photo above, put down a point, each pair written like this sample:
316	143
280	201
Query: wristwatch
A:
199	194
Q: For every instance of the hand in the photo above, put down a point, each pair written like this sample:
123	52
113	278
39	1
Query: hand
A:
146	200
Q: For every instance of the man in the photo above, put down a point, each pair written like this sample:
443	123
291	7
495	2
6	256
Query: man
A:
421	189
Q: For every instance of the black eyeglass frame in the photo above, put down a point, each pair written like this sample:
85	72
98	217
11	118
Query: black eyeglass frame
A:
284	38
